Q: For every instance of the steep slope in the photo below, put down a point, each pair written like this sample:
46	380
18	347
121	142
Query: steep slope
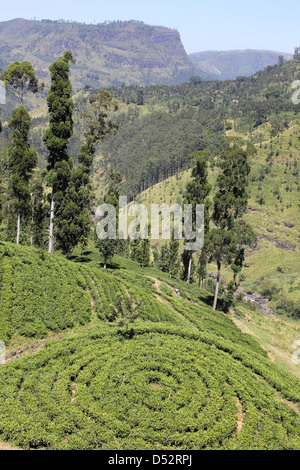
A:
272	268
155	138
114	53
185	378
40	294
223	65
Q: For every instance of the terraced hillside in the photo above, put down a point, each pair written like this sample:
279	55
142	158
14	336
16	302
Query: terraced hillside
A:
178	376
41	294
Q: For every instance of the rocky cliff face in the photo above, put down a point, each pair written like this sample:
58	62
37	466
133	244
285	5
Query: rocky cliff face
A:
114	53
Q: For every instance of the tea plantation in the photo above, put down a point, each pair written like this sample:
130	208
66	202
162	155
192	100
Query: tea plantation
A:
178	376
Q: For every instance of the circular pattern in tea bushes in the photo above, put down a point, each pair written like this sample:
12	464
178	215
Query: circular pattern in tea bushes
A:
152	391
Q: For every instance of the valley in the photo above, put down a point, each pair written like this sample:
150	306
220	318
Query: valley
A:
119	344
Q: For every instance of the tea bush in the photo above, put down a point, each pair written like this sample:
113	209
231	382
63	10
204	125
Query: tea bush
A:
165	388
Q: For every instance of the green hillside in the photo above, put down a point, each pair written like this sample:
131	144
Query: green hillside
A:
272	268
157	134
158	126
42	293
178	377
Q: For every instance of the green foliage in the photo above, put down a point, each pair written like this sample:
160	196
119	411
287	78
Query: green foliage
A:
127	312
108	246
287	307
22	159
187	261
197	192
202	265
165	373
153	146
60	106
20	78
162	258
39	294
231	199
166	388
227	240
140	251
39	213
107	249
173	258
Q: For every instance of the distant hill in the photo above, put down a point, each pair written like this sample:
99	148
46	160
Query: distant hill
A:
115	53
222	65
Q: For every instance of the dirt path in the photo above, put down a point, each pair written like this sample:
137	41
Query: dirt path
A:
273	352
240	418
156	282
13	354
289	403
6	446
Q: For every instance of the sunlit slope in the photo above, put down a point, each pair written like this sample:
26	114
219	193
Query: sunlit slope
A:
40	294
273	211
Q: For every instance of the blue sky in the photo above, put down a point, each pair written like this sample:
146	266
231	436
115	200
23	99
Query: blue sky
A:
202	24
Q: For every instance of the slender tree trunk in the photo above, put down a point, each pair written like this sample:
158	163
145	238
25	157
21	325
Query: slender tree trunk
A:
201	282
18	228
189	270
32	212
217	287
51	236
234	279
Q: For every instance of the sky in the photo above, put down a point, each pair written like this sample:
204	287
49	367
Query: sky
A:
202	24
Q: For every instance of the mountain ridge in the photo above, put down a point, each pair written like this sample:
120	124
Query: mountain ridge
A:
115	53
229	64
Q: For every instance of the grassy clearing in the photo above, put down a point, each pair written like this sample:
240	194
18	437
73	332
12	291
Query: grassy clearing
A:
275	334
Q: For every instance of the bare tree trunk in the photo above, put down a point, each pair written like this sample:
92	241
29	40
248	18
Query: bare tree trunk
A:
18	228
234	279
32	212
201	282
217	287
189	270
51	236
